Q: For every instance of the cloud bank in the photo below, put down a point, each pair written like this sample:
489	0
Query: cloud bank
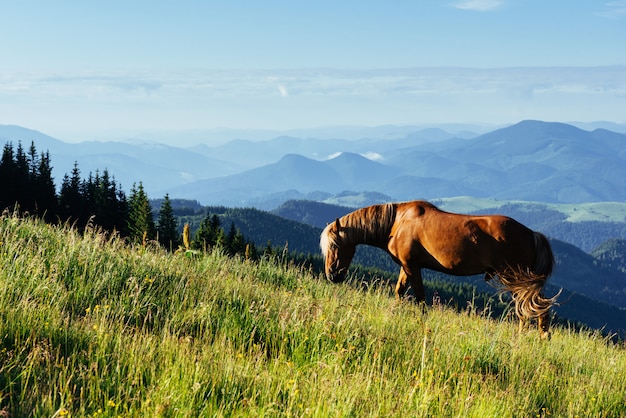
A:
313	98
478	5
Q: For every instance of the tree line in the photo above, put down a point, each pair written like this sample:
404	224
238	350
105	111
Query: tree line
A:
27	187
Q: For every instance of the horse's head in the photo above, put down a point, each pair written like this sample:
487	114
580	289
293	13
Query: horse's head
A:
337	251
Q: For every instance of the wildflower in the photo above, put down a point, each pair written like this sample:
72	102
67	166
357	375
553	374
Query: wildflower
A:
63	412
87	310
111	403
186	237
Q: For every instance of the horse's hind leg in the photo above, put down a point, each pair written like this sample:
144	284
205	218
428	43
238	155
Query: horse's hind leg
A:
543	323
523	324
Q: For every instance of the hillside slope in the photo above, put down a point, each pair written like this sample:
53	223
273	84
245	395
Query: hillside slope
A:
90	326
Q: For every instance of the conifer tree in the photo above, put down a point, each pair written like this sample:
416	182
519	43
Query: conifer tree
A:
44	188
234	242
71	199
167	226
208	234
140	219
8	191
23	195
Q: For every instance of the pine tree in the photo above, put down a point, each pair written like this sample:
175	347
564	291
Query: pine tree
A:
167	226
122	210
235	242
106	202
71	199
208	234
23	195
8	191
140	219
44	188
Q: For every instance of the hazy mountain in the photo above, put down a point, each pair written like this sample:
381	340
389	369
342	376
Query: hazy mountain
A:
250	154
532	160
291	173
158	166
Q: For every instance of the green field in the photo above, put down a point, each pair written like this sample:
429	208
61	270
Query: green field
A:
90	326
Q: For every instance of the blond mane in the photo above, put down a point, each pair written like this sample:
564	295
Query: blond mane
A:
370	225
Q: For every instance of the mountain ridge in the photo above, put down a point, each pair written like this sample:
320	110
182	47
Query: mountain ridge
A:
531	160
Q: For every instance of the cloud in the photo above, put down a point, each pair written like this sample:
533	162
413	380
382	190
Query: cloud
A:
317	97
283	90
374	156
478	5
614	10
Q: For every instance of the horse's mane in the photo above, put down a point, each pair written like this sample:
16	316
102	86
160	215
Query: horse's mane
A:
370	225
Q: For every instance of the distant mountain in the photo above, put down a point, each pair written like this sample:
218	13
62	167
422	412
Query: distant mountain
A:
532	160
251	154
160	167
292	172
163	168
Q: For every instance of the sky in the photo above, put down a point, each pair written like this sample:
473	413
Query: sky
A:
91	69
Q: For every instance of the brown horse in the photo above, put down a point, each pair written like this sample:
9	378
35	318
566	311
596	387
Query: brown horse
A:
418	235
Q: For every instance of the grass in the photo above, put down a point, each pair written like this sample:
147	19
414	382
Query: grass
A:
90	326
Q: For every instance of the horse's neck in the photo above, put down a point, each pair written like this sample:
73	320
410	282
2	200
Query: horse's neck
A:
371	225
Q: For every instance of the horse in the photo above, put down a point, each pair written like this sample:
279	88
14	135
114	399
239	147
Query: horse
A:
418	235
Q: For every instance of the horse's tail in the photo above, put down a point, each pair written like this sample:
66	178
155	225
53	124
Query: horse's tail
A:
544	258
526	285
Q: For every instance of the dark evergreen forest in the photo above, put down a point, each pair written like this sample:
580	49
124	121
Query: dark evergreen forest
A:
28	189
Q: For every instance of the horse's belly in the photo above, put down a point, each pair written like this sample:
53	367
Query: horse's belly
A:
461	260
466	267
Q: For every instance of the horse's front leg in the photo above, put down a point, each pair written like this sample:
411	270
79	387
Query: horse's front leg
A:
414	280
401	285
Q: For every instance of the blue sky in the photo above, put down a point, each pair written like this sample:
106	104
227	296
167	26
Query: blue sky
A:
76	69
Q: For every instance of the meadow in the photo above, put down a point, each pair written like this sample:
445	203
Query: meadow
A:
92	326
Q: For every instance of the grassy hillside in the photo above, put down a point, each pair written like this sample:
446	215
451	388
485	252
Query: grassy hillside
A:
92	327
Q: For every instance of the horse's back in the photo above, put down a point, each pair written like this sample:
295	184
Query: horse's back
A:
469	244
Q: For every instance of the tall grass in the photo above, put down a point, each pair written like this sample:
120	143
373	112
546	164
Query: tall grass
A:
90	326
